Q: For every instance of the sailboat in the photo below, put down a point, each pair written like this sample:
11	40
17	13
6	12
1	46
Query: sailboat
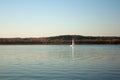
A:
72	47
73	43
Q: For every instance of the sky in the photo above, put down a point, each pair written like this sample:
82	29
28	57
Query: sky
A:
42	18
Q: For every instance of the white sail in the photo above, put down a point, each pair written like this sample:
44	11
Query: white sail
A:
72	43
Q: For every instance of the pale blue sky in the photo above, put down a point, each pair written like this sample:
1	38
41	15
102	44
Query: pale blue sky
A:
39	18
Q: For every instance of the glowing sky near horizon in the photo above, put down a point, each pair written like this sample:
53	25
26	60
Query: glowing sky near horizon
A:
37	18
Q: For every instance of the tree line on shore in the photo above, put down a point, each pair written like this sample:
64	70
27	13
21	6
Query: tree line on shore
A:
63	39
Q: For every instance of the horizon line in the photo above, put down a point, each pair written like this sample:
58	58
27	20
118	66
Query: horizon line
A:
60	35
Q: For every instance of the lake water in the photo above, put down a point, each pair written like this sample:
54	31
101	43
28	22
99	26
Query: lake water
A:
59	62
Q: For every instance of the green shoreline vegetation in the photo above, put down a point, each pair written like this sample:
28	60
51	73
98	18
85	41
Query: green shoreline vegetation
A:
62	39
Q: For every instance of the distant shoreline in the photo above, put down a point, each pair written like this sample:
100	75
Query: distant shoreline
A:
60	40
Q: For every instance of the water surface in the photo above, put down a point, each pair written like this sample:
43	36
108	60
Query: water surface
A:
59	62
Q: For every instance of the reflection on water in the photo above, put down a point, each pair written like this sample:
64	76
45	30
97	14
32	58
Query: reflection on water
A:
72	52
59	62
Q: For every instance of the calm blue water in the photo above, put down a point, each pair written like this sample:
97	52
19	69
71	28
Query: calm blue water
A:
59	62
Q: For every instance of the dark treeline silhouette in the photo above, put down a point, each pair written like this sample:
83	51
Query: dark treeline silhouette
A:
63	39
